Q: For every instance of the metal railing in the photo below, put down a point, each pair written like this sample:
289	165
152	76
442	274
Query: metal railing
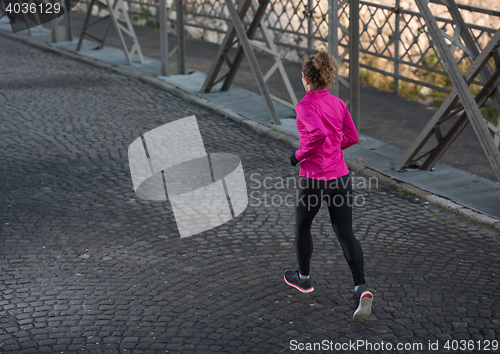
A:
389	32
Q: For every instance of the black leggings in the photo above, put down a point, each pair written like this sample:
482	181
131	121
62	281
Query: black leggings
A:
339	197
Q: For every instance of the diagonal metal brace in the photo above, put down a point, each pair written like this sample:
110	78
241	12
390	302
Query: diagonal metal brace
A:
87	25
445	111
114	10
237	33
462	87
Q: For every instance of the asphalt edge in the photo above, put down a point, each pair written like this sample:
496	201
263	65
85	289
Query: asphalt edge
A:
262	129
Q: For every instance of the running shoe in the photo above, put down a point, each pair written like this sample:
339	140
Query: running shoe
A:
292	278
363	299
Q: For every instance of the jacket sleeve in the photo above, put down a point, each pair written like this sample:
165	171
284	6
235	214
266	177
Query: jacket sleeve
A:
350	134
317	133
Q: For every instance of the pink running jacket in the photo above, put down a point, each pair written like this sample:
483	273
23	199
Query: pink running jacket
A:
322	118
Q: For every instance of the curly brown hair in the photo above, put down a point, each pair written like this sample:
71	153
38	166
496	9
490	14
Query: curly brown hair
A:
319	69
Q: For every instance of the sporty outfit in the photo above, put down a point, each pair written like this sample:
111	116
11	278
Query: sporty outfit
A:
325	129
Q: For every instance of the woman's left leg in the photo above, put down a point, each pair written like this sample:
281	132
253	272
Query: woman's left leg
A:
307	204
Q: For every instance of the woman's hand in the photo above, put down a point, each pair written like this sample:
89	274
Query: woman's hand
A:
293	160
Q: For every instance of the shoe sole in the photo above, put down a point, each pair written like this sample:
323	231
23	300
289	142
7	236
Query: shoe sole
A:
310	290
364	308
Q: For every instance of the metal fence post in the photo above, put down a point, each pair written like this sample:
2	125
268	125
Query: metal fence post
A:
129	3
333	40
354	62
309	12
163	37
61	26
181	47
396	36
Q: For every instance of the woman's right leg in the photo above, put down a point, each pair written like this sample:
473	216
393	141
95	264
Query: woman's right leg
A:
340	209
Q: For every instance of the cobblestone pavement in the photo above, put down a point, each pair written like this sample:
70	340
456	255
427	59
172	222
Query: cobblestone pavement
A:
87	267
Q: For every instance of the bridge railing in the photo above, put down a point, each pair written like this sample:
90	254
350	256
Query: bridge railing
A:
393	41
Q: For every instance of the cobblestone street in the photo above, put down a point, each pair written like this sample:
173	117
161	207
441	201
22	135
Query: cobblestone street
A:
87	267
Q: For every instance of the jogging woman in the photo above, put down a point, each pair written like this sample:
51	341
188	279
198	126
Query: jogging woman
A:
325	129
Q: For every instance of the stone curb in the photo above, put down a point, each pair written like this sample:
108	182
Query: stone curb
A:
262	129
